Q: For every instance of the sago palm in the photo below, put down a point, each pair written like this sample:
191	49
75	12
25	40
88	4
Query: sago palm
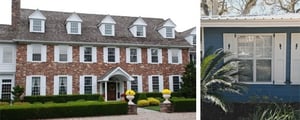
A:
218	77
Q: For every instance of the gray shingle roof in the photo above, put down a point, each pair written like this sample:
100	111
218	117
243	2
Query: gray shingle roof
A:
55	30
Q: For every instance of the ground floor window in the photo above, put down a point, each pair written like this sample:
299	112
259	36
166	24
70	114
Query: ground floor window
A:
36	86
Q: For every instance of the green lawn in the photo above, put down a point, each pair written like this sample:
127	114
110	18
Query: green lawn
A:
155	108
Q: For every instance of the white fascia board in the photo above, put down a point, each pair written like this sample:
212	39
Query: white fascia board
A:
74	18
37	15
252	23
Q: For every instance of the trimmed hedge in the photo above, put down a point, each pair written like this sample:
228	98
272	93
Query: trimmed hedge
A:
61	110
62	98
184	105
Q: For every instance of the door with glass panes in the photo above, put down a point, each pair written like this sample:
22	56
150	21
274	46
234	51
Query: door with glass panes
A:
6	84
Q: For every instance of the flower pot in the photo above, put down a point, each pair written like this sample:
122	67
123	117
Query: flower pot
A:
130	98
167	97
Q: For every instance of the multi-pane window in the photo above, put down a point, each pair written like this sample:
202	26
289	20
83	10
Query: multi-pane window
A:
111	54
108	29
6	89
255	52
36	86
37	25
139	30
176	83
169	32
155	83
133	55
87	85
7	55
154	55
175	56
88	54
62	89
63	53
36	53
74	27
134	84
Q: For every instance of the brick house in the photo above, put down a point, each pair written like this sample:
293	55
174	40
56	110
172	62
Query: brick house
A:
54	53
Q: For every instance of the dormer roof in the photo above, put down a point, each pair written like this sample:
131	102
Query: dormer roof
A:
167	23
37	15
139	21
74	18
108	19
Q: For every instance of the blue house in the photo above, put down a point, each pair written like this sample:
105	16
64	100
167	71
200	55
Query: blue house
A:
269	50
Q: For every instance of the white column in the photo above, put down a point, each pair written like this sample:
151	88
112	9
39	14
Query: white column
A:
105	90
100	88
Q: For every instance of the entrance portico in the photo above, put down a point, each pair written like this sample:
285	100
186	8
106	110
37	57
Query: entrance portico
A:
112	83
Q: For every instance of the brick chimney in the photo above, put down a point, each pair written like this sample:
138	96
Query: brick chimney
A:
15	15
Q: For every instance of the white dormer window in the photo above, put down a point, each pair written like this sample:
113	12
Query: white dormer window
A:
107	26
37	22
73	24
138	28
191	36
167	30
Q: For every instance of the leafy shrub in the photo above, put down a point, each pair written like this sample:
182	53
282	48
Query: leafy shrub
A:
143	103
274	112
62	98
152	101
142	96
184	105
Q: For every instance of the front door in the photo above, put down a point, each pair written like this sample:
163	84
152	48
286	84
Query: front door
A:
111	91
5	87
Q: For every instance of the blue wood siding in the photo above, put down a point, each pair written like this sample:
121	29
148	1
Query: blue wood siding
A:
213	39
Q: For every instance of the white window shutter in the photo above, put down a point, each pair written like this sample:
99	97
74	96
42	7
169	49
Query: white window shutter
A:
43	26
70	54
31	25
28	85
150	89
81	54
171	82
279	58
139	55
94	84
94	54
160	57
79	28
68	27
128	85
56	85
179	56
169	56
44	53
29	53
295	59
117	54
180	81
149	57
230	45
81	85
43	85
161	83
127	55
56	53
105	55
140	84
69	85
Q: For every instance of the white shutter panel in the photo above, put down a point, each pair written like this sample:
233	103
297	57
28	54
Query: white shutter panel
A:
56	53
161	83
160	56
70	54
94	54
79	28
94	84
150	84
149	55
31	25
127	55
140	84
105	55
29	53
295	59
169	56
28	85
171	83
69	85
44	53
81	54
279	58
43	85
128	85
81	85
180	56
230	45
56	85
139	55
43	26
117	53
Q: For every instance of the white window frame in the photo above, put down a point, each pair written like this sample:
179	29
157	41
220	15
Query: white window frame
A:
28	90
171	82
169	31
139	83
117	55
82	84
160	82
149	55
30	52
139	55
32	25
56	85
140	29
57	53
170	56
73	25
108	28
93	55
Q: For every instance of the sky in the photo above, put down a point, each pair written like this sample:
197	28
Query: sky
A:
184	13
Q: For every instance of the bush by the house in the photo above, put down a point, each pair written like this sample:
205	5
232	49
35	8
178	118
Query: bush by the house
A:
142	103
62	98
153	101
60	110
184	105
157	95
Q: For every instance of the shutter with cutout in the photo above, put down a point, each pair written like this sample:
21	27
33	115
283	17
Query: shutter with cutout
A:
295	59
279	58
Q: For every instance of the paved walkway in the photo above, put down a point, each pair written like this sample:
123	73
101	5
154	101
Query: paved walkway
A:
143	114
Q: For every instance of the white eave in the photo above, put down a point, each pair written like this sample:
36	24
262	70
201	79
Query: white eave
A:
108	19
138	21
74	18
289	20
37	15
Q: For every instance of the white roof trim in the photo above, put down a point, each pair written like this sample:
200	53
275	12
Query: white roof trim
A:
117	71
37	15
108	19
139	21
193	31
169	23
74	18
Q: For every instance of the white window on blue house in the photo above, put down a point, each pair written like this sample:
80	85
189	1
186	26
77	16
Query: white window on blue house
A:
256	53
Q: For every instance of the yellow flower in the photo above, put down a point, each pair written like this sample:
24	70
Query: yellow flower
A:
166	91
130	92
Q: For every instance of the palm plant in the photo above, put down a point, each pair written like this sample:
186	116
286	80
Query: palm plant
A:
218	77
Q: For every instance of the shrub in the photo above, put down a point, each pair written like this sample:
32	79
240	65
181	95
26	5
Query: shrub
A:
152	101
62	98
274	112
142	96
143	103
184	105
4	103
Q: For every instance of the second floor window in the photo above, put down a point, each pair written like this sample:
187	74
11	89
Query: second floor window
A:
154	55
87	54
133	55
36	53
63	53
111	54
